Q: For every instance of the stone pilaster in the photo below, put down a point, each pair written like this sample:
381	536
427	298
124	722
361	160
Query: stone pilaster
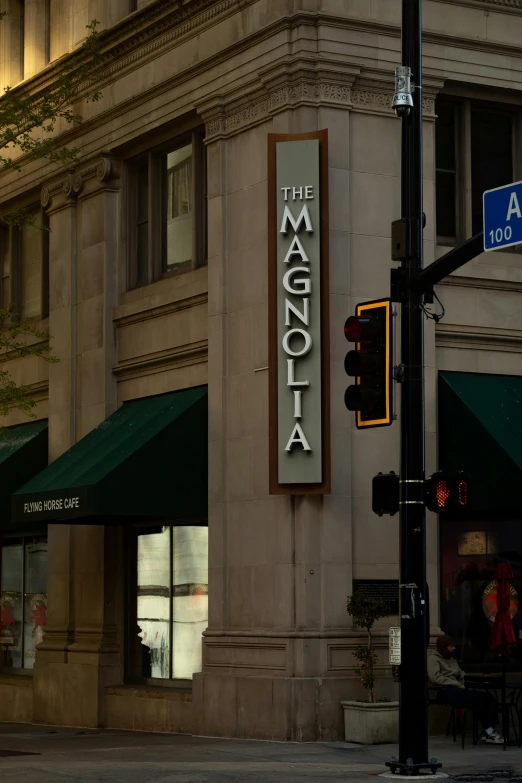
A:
80	652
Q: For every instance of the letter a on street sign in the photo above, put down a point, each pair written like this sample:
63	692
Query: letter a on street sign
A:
503	216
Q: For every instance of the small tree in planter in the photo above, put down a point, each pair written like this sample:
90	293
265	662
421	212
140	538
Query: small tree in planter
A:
365	612
369	722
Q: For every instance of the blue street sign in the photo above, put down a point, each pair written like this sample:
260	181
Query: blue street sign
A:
503	216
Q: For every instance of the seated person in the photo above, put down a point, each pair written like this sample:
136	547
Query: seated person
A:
444	671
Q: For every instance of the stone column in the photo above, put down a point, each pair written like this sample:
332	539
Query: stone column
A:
59	200
36	37
277	651
86	286
95	659
11	44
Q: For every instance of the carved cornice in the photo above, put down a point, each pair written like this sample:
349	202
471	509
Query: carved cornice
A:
100	174
164	25
305	83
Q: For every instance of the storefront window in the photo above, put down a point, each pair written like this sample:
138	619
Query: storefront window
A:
470	553
23	600
170	585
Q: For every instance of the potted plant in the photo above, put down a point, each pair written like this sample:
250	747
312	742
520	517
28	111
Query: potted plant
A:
370	721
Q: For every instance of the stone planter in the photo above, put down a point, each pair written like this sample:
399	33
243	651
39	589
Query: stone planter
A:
371	724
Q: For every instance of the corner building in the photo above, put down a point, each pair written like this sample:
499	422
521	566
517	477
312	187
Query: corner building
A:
149	578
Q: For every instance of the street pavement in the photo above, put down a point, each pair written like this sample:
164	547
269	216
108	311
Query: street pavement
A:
57	755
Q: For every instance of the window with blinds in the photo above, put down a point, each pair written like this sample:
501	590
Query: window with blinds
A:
24	268
5	269
167	210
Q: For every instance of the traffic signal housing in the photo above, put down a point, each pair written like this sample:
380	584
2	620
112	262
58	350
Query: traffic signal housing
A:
385	494
448	493
371	364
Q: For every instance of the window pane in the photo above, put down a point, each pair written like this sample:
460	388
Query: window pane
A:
153	603
445	163
143	192
35	599
446	198
142	253
5	267
445	137
491	157
178	209
31	262
142	224
189	598
11	587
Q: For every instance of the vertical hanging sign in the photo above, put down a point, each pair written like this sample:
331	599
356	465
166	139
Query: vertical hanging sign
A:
299	313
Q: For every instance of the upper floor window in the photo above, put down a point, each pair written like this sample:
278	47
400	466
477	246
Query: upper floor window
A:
474	152
24	268
167	211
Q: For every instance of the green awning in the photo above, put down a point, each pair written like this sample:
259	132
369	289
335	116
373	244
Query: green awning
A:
480	431
23	453
146	461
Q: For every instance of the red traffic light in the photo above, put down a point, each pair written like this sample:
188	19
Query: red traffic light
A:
353	329
358	329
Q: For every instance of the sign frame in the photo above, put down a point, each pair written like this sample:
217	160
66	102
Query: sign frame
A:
361	308
512	208
324	486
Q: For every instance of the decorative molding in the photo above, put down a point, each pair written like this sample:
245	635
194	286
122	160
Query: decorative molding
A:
340	658
478	338
160	361
164	25
503	6
57	193
241	655
367	101
101	174
381	102
61	192
488	283
144	313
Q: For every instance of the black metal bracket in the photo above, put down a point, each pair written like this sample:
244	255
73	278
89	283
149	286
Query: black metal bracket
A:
424	281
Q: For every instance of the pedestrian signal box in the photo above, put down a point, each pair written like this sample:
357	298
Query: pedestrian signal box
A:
371	364
448	492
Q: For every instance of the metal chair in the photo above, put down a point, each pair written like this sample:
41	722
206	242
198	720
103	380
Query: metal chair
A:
455	713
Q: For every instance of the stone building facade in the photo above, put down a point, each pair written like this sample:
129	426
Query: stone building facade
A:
153	282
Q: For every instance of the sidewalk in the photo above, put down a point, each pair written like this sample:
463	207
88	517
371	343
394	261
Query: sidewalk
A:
68	755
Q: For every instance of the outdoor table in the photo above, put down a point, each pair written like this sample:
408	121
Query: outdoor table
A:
497	682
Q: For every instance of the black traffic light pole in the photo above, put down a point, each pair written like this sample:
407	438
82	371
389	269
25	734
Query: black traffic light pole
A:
413	711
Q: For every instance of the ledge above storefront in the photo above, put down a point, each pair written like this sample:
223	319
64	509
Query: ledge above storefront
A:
148	461
23	454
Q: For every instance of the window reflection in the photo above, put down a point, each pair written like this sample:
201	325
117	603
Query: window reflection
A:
189	598
178	208
470	553
11	605
35	598
153	602
172	600
23	601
